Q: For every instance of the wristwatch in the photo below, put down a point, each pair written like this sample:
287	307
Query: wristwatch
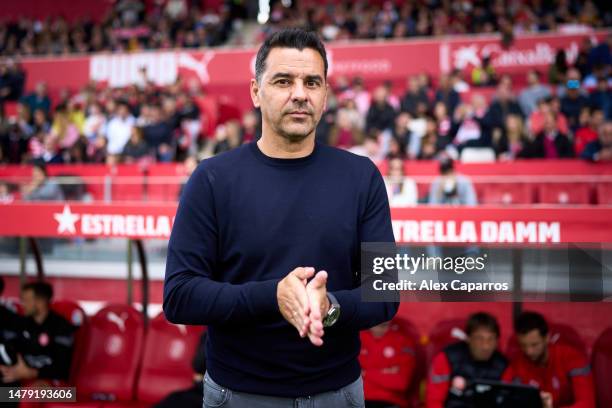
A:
333	313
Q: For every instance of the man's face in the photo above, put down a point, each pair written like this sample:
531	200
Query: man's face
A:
30	303
534	346
292	93
482	342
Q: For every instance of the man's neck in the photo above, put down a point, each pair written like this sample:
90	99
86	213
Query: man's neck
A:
41	316
280	148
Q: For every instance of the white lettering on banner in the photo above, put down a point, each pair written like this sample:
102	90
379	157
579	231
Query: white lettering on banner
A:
425	231
540	53
114	225
377	66
124	69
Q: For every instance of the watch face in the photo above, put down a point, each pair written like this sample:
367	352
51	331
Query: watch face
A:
332	316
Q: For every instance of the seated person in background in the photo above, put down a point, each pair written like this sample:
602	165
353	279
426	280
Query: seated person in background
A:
191	397
550	143
562	373
10	329
459	364
402	190
600	149
450	187
387	365
41	188
46	343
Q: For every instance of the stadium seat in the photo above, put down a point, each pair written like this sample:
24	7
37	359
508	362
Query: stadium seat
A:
505	193
166	362
564	193
112	356
601	362
444	333
604	193
559	333
408	328
477	155
72	312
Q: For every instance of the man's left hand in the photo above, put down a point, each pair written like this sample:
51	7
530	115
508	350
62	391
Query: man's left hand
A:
319	305
19	371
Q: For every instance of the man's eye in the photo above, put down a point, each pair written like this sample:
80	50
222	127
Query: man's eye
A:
312	84
283	82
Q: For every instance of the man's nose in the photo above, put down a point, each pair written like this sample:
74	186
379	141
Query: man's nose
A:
298	92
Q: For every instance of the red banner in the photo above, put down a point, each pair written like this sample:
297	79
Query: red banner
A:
423	224
370	60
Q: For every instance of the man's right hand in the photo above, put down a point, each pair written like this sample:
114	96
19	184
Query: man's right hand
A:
293	300
547	400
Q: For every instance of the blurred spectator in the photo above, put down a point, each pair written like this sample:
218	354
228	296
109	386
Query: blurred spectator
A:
11	327
387	365
447	95
41	123
12	80
63	130
544	107
601	97
503	105
534	92
402	190
41	188
600	149
249	129
550	143
158	133
6	197
450	187
39	99
119	129
469	127
587	129
227	137
381	115
454	369
560	372
558	70
509	143
136	148
95	122
429	146
444	122
573	101
401	134
414	96
484	75
344	133
46	343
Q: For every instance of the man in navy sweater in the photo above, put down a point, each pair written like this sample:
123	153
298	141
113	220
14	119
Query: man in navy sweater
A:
252	228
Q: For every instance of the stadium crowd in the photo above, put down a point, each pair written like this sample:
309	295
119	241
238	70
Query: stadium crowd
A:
137	25
429	119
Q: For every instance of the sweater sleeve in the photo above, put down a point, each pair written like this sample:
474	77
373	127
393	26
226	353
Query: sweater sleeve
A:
375	226
191	293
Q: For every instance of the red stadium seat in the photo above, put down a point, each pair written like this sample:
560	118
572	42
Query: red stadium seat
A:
112	356
411	331
72	312
444	333
601	362
559	333
505	193
604	193
166	362
564	193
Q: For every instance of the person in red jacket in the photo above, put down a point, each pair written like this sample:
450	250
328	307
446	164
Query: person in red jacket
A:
562	373
459	364
387	365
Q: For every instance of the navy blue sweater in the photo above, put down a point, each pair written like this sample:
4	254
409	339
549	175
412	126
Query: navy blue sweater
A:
245	221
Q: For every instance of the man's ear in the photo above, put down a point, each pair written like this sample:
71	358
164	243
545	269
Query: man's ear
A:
254	92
